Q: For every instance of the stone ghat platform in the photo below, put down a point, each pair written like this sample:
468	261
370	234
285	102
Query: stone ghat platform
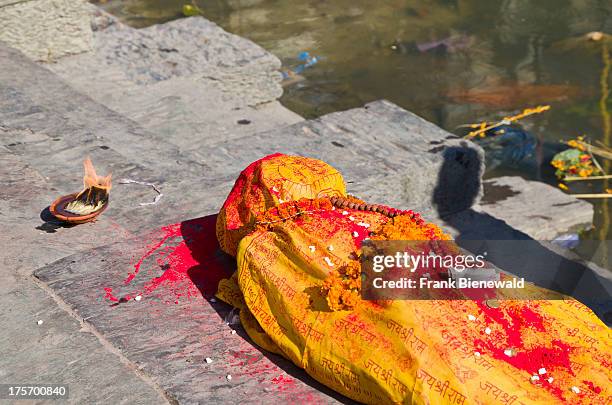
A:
187	106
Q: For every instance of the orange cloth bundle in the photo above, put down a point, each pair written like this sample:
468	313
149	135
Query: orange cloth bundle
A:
298	294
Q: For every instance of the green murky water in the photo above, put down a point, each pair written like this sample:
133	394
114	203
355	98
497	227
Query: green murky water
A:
499	56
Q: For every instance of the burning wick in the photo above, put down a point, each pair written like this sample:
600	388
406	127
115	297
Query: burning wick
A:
95	192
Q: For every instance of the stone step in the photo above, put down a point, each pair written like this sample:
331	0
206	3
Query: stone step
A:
187	81
537	209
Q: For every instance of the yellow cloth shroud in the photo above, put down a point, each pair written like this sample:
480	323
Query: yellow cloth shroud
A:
287	241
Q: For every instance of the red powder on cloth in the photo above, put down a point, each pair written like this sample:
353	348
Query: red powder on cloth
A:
515	322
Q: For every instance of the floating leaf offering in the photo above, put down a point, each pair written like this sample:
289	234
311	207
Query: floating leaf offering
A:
95	193
573	162
191	10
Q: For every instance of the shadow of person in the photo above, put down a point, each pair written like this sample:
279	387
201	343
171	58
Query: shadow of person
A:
540	262
213	265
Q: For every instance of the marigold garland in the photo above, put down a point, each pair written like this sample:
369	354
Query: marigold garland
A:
574	162
404	227
342	287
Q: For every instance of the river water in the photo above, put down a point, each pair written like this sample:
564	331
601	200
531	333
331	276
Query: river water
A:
452	62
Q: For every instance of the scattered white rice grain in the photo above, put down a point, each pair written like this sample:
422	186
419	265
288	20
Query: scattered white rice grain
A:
352	218
550	380
208	360
40	322
534	378
280	201
576	389
508	352
471	317
333	208
233	332
138	297
330	248
213	300
328	261
542	371
344	212
355	234
477	354
312	248
488	331
229	377
275	189
364	224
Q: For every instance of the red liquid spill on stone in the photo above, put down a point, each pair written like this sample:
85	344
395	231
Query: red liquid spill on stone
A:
109	294
191	260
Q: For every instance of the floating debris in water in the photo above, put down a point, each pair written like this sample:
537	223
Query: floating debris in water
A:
309	61
450	44
293	75
40	322
192	10
595	36
484	128
567	241
507	146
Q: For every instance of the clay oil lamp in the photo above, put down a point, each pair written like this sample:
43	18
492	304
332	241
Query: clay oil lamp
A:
85	206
